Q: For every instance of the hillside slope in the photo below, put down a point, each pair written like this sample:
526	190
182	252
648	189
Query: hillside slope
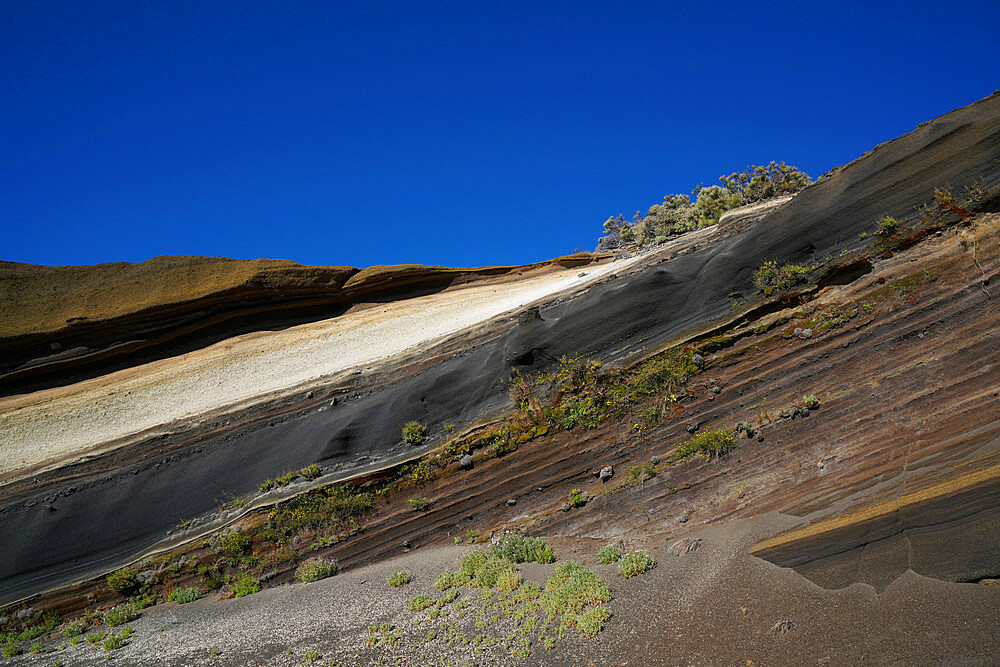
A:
816	539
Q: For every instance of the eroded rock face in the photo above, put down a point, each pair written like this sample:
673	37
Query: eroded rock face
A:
151	484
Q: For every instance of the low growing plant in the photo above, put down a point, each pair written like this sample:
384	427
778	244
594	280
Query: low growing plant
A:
184	595
120	614
635	563
609	554
397	579
414	433
246	585
314	570
123	581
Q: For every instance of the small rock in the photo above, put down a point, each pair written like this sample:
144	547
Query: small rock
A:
511	502
691	428
25	613
466	462
685	515
684	546
607	472
55	347
655	460
407	544
806	334
797	331
3	620
581	274
333	402
782	627
310	395
698	360
565	507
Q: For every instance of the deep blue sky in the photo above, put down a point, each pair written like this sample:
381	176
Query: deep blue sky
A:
462	133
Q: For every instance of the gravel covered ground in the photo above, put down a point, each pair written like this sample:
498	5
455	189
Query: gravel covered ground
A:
712	605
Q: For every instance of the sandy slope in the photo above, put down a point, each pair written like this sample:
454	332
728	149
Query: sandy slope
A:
60	421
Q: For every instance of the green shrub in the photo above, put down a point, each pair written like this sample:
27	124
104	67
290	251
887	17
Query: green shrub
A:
320	508
451	580
120	614
414	433
246	585
123	581
609	554
508	580
592	621
311	472
36	648
116	641
577	498
310	656
484	568
75	629
635	563
96	638
10	650
522	549
810	401
571	588
184	595
678	214
140	602
769	276
397	579
886	227
707	443
314	570
234	544
418	503
420	603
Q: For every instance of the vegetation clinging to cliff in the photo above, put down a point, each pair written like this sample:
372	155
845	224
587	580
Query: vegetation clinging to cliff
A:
678	214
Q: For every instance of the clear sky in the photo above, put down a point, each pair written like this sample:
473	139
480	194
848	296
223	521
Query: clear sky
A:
464	133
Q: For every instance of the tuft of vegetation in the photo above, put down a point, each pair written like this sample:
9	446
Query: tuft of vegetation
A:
522	549
338	506
707	443
398	579
121	614
769	276
678	214
419	503
123	581
310	657
635	563
571	588
314	570
309	472
116	641
76	628
578	498
246	585
483	568
10	650
609	554
886	227
810	401
592	621
184	595
420	602
414	433
235	544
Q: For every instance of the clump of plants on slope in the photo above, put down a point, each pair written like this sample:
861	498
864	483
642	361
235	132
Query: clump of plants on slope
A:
678	214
